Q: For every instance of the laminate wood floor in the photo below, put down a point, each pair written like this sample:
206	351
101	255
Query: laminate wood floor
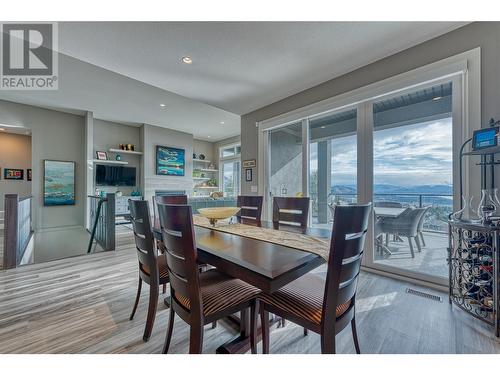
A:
82	305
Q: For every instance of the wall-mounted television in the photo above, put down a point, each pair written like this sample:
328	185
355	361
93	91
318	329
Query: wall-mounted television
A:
110	175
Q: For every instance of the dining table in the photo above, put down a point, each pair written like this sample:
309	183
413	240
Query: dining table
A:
257	261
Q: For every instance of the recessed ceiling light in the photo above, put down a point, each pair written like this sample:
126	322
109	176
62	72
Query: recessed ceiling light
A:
187	60
2	129
437	98
208	136
323	127
222	122
163	105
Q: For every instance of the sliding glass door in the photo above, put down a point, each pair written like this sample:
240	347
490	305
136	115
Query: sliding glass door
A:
395	150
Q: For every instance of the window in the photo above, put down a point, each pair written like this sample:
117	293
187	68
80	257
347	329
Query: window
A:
230	169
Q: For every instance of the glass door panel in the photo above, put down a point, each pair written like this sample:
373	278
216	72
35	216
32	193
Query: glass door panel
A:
285	161
231	178
332	164
412	180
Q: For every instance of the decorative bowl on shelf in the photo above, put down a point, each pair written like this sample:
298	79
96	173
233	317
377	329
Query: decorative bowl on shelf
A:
218	213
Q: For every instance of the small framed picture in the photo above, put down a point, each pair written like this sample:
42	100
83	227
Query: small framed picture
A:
249	163
13	174
28	174
248	174
102	155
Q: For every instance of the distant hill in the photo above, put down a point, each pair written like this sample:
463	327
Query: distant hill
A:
396	189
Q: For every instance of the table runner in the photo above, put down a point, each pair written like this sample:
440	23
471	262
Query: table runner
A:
294	240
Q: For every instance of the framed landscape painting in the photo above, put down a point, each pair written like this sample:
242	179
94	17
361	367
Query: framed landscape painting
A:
170	161
58	183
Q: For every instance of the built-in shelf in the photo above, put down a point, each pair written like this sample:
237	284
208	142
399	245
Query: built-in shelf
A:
209	170
206	187
202	161
97	161
118	151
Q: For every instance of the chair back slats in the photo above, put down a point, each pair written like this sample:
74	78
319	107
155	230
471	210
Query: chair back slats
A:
178	237
354	245
251	208
346	251
143	236
347	291
287	210
350	269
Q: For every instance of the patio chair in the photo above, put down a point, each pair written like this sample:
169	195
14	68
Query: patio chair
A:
405	225
420	229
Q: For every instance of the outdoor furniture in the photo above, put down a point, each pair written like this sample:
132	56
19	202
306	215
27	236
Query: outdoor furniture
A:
420	228
152	267
325	306
199	298
405	225
388	204
251	209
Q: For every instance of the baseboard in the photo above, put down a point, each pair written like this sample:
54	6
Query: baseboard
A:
441	288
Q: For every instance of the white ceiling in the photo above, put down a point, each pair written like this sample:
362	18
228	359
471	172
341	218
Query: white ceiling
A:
240	66
123	71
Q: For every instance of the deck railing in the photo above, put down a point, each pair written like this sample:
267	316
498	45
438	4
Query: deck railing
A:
441	205
18	229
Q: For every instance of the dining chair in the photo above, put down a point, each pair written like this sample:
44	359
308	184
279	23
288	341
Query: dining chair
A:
290	211
199	298
166	199
325	306
420	227
251	209
152	266
405	225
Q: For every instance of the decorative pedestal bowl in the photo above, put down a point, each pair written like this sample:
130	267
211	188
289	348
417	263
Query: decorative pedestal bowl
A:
218	213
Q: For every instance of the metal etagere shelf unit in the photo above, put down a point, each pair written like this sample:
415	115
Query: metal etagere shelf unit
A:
474	270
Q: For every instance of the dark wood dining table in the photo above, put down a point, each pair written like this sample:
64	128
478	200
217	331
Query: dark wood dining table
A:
267	266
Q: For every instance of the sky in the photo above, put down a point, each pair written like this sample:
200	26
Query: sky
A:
419	154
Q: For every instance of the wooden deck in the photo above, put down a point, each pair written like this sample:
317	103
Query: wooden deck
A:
82	305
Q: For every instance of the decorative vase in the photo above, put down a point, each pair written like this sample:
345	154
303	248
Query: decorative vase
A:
467	213
488	206
201	157
118	157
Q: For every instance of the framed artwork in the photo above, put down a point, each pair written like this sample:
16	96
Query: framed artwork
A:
58	183
170	161
13	174
101	155
249	163
248	174
28	174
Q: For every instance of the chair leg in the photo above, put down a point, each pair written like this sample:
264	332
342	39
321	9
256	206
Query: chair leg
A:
153	304
411	247
214	325
264	322
170	328
196	339
387	239
417	241
139	288
164	288
327	344
355	335
306	332
254	311
422	238
283	322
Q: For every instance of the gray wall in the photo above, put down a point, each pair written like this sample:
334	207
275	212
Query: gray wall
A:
56	136
15	152
205	148
480	34
110	135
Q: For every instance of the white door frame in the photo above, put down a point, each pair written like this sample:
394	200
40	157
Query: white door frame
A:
464	70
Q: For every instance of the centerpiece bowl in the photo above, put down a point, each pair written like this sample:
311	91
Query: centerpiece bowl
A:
218	213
